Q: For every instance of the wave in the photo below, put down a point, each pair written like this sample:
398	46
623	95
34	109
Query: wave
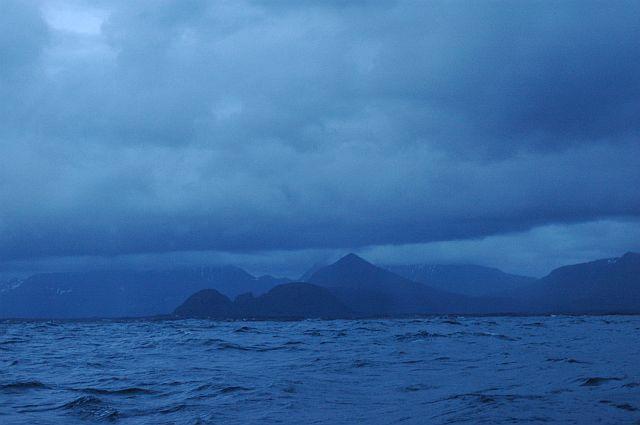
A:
233	389
564	360
246	329
598	380
483	398
232	346
290	345
173	409
398	371
413	336
487	334
120	391
91	408
11	341
623	406
22	386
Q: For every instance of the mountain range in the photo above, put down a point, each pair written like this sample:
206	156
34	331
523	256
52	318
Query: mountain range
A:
464	279
121	293
289	300
370	290
350	287
603	286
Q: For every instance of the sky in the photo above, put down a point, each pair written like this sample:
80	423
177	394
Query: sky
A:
278	134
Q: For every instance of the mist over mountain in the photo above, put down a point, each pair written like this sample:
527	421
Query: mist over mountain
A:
307	274
465	279
602	286
611	285
121	293
370	290
365	290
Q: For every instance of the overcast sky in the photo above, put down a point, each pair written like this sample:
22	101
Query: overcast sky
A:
276	134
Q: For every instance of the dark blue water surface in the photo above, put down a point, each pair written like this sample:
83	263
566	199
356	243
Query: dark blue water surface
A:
436	370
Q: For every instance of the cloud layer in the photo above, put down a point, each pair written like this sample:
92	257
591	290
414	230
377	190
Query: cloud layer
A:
141	127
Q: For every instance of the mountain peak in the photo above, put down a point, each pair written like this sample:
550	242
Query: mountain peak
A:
351	260
630	258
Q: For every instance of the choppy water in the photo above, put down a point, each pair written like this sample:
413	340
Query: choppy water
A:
437	370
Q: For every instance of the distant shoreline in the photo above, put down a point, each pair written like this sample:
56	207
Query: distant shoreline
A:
301	319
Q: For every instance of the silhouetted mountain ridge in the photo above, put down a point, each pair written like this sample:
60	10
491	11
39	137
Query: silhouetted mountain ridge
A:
370	291
126	293
608	285
464	279
350	284
289	300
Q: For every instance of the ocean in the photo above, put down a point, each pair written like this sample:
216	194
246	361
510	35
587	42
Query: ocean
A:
434	370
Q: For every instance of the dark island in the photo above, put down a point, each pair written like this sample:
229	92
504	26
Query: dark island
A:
288	301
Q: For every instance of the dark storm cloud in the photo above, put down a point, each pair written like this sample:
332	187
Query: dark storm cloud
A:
233	126
24	35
